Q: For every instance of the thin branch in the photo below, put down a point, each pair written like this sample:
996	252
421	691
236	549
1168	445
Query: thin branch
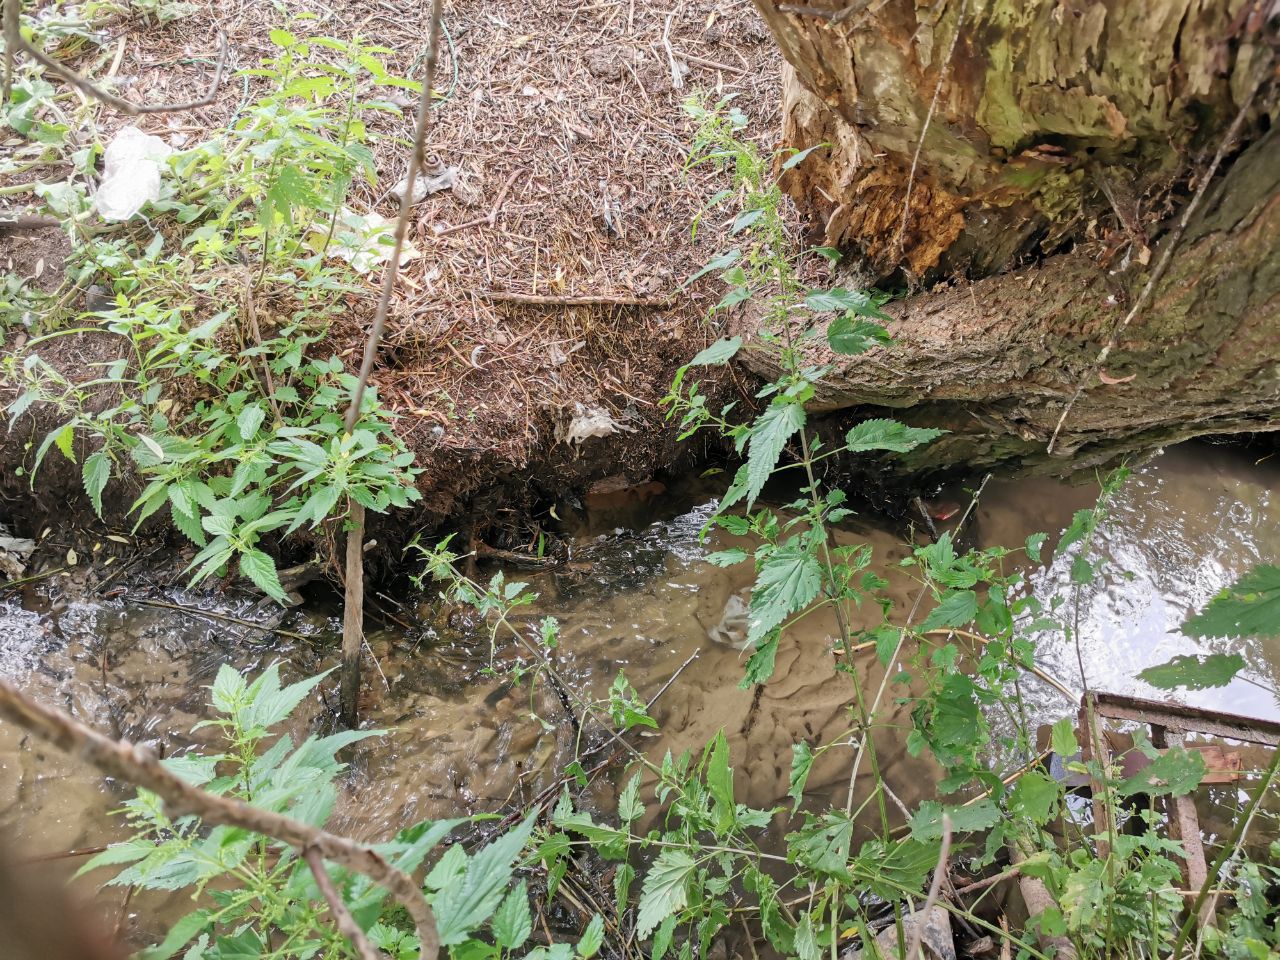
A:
599	300
488	219
922	918
342	918
256	330
1163	265
142	768
11	40
13	34
416	162
28	224
353	598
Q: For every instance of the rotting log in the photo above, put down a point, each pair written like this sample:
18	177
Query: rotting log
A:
1061	144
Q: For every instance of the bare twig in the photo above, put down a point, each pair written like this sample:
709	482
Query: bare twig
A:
672	679
1163	264
11	40
142	768
488	219
353	610
977	885
599	300
15	41
342	918
917	929
256	330
28	224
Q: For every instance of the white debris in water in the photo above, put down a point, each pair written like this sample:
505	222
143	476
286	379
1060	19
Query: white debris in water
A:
733	626
14	552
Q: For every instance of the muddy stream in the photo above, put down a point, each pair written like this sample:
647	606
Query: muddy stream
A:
639	596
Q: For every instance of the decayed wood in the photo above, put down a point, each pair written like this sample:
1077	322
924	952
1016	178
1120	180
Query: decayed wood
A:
995	361
1000	127
141	767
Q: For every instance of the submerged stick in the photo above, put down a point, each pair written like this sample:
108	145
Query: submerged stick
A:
142	768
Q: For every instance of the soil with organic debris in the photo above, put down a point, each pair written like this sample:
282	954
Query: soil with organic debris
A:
534	333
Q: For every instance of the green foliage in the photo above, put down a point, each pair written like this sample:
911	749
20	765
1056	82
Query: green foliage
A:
232	420
1194	672
1248	608
256	891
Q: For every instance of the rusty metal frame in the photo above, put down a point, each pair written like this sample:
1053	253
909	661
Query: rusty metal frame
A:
1168	722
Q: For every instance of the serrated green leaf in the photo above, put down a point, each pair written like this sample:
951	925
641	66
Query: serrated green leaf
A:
1062	738
723	262
1194	672
512	921
888	435
250	420
926	824
1034	796
622	879
850	335
856	302
744	220
720	783
801	764
663	892
96	472
798	157
722	351
760	664
1248	608
789	581
179	935
727	558
261	569
769	435
957	608
806	940
1177	771
592	938
1033	545
630	808
461	907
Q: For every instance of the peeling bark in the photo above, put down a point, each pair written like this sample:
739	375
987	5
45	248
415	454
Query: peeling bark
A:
1042	116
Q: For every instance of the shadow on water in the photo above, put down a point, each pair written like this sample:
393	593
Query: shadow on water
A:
637	595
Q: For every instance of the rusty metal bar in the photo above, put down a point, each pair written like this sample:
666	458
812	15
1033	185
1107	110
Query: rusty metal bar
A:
1183	719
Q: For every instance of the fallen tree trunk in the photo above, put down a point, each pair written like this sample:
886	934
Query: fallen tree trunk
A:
1006	157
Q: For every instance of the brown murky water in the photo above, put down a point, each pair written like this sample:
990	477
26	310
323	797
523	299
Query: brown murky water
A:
639	597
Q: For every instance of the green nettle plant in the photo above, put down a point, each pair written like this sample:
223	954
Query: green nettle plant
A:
261	898
707	861
235	424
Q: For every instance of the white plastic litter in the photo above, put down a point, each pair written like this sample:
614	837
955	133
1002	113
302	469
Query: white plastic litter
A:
131	177
425	185
363	240
588	422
